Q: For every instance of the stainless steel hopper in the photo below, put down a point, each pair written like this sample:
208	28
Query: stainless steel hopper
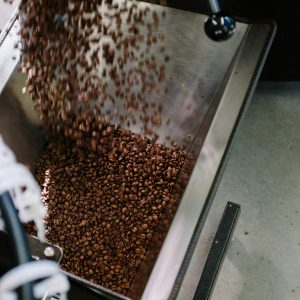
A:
210	84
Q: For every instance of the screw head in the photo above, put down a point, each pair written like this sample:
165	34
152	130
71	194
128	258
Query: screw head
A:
49	252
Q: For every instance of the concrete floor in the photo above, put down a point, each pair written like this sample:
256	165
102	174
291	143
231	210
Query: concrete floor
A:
263	175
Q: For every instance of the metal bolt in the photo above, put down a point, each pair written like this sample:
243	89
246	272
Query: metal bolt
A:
49	252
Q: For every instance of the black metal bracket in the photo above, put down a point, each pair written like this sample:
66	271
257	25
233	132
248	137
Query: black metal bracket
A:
17	240
217	251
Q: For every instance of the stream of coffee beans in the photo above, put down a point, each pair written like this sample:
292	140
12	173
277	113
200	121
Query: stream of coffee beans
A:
93	60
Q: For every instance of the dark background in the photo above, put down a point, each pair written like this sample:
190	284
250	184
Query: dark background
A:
283	62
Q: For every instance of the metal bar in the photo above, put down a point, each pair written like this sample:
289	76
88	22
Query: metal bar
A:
217	252
214	6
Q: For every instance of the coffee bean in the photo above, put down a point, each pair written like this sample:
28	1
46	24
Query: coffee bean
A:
145	226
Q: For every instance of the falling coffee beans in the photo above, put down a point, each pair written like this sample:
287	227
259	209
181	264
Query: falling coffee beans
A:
93	60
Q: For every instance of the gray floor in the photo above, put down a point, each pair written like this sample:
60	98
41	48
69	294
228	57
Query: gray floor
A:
263	175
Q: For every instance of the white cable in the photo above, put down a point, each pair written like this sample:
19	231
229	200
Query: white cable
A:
25	192
6	155
53	280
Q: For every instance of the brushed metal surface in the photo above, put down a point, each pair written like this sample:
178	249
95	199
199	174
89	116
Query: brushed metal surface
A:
195	73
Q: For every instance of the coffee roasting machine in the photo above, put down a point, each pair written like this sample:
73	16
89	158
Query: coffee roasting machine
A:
214	67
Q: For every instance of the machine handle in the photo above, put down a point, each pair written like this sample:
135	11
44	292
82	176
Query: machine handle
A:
220	26
217	251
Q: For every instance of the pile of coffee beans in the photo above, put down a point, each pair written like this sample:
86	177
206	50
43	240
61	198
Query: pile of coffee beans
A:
102	210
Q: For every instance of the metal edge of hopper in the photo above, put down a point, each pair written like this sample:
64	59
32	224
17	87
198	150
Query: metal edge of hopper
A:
239	89
8	26
9	54
81	287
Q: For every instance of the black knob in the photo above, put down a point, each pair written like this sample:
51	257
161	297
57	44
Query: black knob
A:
219	26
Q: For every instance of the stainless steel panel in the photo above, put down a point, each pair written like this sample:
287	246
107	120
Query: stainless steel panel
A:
240	86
